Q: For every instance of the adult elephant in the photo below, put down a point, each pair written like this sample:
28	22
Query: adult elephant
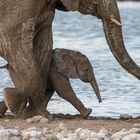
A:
23	26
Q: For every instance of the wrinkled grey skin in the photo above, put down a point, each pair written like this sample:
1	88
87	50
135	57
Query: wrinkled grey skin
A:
106	10
65	64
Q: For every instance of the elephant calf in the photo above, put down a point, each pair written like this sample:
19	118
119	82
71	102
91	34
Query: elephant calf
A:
65	64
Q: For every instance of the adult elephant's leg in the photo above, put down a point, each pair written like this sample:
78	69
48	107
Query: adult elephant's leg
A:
23	61
49	91
42	49
15	102
62	86
12	99
3	108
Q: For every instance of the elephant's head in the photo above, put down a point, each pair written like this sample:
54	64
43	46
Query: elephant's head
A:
73	64
107	10
86	73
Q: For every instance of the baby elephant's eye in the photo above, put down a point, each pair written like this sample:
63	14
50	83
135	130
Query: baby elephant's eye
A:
86	69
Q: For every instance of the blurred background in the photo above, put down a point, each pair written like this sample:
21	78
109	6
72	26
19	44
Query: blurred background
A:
119	90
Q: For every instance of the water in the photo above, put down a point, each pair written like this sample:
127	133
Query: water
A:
120	91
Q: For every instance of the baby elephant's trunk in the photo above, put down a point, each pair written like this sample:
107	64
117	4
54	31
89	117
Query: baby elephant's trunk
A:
96	89
94	85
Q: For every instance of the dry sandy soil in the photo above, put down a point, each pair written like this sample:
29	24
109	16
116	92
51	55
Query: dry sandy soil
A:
73	122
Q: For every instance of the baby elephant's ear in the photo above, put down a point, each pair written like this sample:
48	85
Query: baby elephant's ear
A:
72	5
64	64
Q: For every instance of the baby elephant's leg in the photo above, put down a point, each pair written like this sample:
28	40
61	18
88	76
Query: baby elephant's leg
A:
16	102
49	91
62	86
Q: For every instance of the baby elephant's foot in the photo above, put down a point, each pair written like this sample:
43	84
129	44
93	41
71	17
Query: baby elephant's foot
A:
14	100
3	108
86	113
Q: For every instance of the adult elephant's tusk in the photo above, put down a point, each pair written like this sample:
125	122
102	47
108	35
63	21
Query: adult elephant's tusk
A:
116	21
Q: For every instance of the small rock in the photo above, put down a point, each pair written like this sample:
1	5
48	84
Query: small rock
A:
6	121
44	138
34	139
62	126
124	130
137	125
31	128
107	138
132	137
103	133
35	119
84	134
72	136
78	130
32	134
15	138
125	117
59	136
6	134
25	137
30	120
44	120
94	135
134	130
57	129
121	134
45	130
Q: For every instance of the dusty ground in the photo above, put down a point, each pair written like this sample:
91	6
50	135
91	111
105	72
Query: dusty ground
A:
73	122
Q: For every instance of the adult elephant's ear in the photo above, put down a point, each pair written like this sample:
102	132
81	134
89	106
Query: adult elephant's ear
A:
72	5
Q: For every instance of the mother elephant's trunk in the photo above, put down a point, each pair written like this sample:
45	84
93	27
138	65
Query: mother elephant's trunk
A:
108	11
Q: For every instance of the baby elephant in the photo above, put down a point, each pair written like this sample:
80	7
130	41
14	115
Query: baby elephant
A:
65	64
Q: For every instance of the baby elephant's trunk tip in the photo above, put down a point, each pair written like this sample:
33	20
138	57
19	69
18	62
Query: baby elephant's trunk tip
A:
96	90
100	100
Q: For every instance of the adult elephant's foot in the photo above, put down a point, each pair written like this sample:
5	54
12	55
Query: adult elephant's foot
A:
3	108
14	100
32	111
86	113
37	106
